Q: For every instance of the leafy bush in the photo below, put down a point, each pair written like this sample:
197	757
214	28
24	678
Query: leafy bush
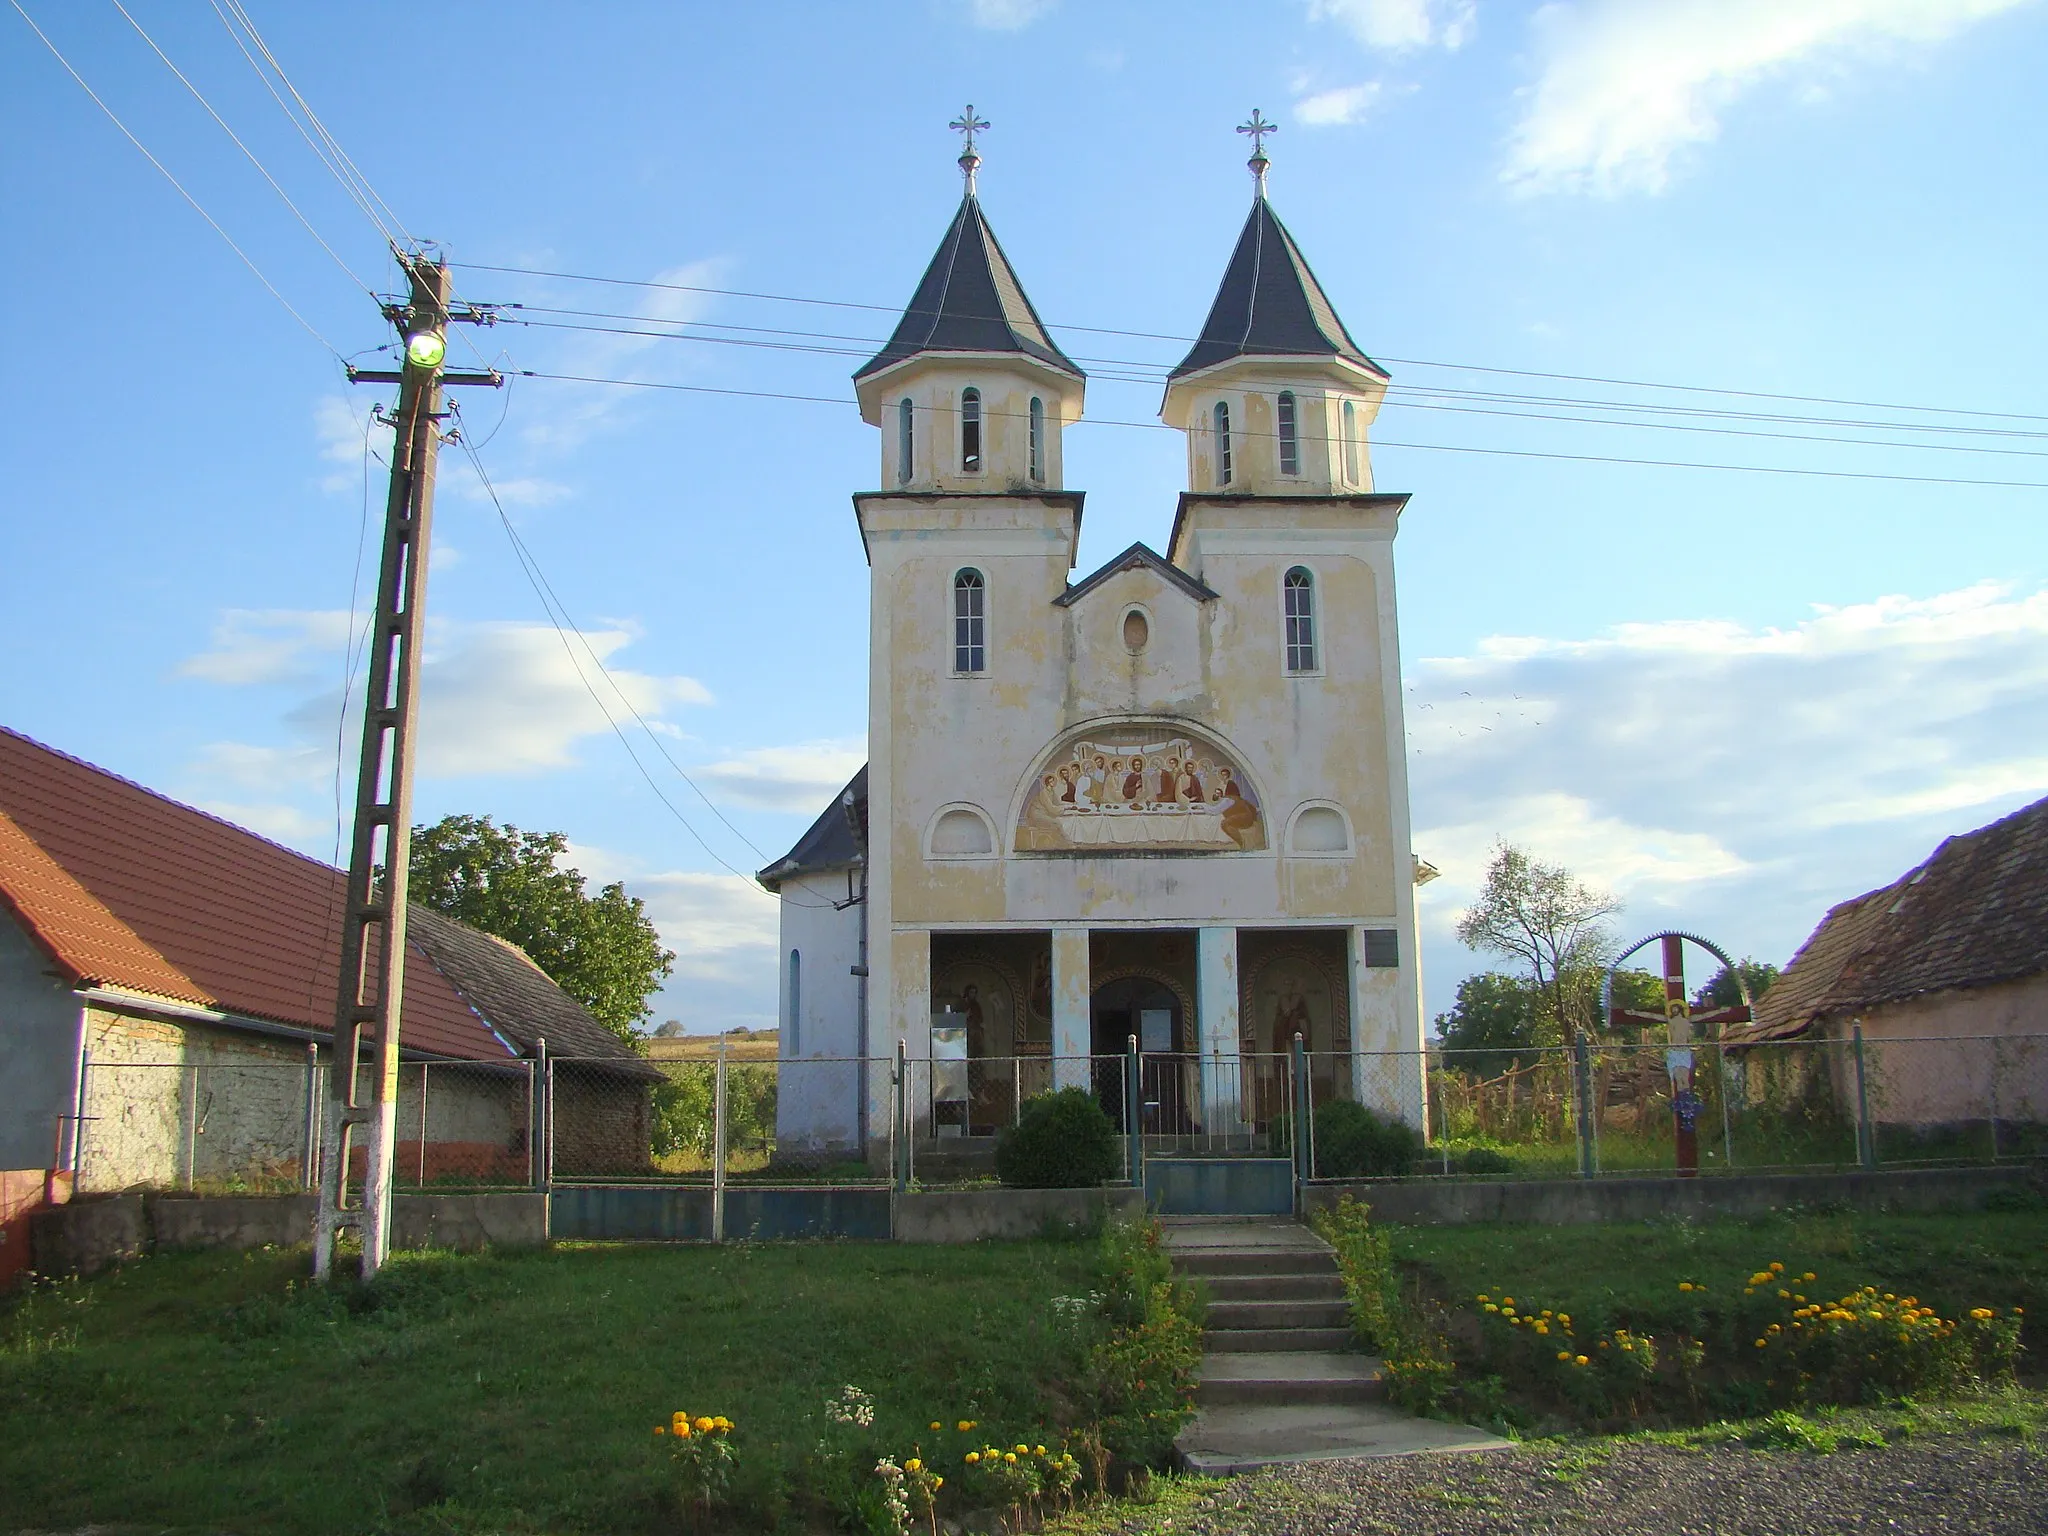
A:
1141	1374
1352	1142
1061	1140
1741	1349
1417	1358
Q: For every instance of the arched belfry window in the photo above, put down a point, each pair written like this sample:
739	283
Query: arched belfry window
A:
970	623
1299	589
1290	439
970	429
906	440
1221	419
1351	442
1037	438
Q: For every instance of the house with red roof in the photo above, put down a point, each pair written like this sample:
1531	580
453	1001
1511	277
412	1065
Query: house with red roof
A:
167	993
1944	973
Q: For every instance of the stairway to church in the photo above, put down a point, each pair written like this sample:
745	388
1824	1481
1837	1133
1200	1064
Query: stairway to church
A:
1279	1331
1280	1380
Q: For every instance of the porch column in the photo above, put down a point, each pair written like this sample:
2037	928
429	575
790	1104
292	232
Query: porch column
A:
1072	1031
1216	1010
1386	1070
909	1020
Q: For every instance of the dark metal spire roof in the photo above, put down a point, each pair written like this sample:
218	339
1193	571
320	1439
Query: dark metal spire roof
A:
969	301
1270	305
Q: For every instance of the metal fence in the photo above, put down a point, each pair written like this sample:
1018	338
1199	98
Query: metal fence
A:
247	1125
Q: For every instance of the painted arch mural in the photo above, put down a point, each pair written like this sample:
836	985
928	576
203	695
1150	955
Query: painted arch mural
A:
1142	787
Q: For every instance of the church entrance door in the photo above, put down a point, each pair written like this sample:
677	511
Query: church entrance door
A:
1167	1094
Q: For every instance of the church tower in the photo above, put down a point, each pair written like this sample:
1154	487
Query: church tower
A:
1275	396
1158	807
970	394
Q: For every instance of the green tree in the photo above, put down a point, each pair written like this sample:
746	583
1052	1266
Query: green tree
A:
1722	992
1497	1020
1550	920
601	949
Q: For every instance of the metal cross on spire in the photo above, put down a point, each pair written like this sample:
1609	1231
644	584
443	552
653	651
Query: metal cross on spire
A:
1258	128
967	123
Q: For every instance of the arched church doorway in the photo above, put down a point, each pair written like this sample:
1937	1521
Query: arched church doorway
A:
1152	1011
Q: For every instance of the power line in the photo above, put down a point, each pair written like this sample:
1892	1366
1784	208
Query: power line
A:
558	617
333	156
1517	453
163	170
1406	362
1440	405
1396	393
247	152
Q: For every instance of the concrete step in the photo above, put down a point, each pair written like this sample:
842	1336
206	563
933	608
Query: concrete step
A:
1293	1376
1230	1438
1324	1287
1278	1314
1234	1341
1254	1261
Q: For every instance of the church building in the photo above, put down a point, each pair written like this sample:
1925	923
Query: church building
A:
1167	799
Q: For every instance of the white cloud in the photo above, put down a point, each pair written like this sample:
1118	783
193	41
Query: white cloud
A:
575	411
803	777
1396	25
1334	108
1624	87
520	491
1732	780
267	645
1007	15
495	698
285	824
344	435
722	927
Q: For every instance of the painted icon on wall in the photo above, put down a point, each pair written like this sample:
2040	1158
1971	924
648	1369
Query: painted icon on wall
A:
1140	789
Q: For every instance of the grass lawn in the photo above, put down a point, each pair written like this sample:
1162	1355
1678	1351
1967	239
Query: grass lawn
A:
1629	1274
511	1392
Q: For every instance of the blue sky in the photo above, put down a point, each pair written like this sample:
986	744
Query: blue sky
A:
1734	698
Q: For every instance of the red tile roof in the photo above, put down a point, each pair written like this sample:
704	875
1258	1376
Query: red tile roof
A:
136	891
1974	915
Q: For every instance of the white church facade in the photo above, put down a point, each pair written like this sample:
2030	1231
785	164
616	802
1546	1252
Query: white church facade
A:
1167	799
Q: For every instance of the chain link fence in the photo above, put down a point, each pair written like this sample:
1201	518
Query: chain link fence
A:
254	1126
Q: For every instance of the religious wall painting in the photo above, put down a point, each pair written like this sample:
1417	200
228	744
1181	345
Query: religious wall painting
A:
1140	788
1290	991
986	996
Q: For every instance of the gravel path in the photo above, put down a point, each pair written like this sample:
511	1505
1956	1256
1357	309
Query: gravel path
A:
1984	1486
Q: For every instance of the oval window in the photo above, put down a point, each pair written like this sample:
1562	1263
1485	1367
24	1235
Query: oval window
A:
1136	631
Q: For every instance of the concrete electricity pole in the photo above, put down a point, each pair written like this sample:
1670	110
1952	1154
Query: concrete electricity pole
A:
372	981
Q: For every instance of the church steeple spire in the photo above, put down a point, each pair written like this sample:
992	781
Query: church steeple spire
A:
977	391
1274	395
1258	128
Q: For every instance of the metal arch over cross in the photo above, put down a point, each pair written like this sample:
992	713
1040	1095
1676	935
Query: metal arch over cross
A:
970	125
1258	128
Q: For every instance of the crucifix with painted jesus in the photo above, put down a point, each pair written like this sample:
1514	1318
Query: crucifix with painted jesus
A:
1679	1019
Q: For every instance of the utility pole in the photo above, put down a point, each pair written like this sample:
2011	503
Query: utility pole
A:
372	982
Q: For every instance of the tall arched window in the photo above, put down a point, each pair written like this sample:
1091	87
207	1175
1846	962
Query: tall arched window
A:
1351	442
1290	441
1300	591
906	440
1221	419
1037	438
970	623
970	429
796	1004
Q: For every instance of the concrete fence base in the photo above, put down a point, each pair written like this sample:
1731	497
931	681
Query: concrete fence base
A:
969	1215
1570	1202
88	1235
